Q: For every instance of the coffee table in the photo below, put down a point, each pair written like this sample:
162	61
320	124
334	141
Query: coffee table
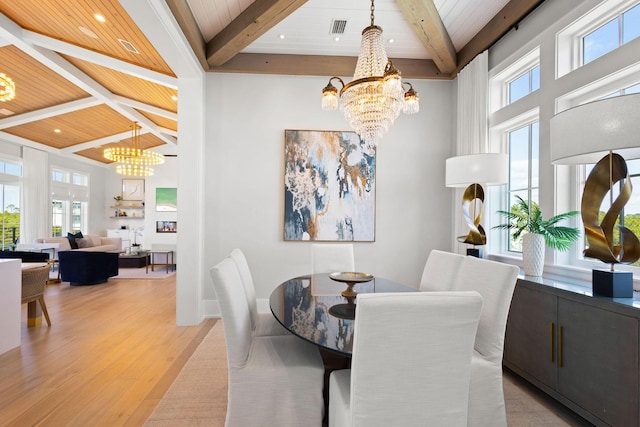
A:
139	260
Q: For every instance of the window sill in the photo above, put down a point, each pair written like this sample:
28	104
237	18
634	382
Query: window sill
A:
573	273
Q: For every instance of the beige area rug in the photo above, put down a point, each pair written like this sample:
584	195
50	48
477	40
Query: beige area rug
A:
198	396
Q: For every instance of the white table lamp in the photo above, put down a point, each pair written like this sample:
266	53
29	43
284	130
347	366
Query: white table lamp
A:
471	171
590	133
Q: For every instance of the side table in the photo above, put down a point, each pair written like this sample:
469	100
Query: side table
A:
169	261
52	263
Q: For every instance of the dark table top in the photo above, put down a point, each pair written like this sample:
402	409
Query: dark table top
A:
313	308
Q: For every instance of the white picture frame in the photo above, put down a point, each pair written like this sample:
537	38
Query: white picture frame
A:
133	189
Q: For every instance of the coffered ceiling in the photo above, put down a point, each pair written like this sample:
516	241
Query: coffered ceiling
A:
81	81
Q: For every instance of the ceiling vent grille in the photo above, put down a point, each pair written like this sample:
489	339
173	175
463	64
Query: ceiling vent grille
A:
127	45
338	26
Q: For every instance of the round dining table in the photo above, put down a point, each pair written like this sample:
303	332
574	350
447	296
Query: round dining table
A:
313	308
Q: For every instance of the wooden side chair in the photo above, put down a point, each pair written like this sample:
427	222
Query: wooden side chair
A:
34	281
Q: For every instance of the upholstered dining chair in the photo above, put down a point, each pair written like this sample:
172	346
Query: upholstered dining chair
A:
410	362
331	257
34	282
440	270
273	381
495	281
262	324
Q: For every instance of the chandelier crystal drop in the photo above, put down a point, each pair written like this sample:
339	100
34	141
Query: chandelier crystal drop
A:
133	161
7	88
375	97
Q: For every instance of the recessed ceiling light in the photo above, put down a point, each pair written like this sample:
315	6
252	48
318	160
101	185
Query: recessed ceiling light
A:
281	36
174	98
99	18
392	40
88	32
57	130
336	39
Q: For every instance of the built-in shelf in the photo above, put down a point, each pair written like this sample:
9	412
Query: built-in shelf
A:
127	211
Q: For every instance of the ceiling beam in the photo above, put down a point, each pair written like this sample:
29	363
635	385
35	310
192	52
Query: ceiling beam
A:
45	113
256	20
100	141
425	21
320	65
13	33
146	107
100	59
185	19
508	18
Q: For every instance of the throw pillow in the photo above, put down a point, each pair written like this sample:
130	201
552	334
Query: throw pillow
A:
85	242
72	239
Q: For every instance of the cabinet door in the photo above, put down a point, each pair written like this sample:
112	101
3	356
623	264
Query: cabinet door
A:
599	364
530	335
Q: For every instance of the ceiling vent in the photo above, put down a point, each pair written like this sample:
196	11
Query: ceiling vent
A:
127	45
337	26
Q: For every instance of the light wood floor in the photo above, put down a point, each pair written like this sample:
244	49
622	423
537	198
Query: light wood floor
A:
110	355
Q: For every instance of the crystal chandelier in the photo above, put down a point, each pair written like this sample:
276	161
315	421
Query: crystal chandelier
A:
375	97
133	161
7	88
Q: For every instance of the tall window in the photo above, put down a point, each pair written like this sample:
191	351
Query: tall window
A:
618	31
70	202
10	173
523	170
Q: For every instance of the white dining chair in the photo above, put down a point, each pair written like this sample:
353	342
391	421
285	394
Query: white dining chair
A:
410	363
495	281
274	381
332	257
262	324
440	270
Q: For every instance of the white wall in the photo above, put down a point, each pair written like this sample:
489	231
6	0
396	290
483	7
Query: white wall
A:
164	176
246	118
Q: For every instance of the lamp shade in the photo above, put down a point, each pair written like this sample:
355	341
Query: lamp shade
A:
584	134
484	168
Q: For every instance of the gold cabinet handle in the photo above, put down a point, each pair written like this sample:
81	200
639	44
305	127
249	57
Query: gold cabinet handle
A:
552	342
560	350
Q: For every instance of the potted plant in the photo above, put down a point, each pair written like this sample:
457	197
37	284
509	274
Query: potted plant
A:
118	199
527	219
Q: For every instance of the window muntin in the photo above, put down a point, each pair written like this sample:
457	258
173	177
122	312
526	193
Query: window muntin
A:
516	81
524	84
10	168
57	217
524	179
611	35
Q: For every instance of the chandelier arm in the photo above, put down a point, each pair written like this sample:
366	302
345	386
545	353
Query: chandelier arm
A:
337	78
357	82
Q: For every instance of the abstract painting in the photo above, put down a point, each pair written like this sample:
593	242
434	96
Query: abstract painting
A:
329	185
166	199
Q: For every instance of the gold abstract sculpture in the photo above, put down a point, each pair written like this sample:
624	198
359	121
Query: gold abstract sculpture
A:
610	170
472	195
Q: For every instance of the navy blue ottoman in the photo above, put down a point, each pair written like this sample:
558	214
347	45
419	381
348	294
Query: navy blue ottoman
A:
87	268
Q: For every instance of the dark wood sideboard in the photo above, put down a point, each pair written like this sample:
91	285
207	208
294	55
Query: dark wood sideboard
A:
580	349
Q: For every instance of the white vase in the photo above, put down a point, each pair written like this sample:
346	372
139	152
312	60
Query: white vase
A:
533	246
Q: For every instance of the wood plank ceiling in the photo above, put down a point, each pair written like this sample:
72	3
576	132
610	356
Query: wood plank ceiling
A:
81	82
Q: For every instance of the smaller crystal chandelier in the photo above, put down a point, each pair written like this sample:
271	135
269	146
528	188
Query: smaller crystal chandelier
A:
375	97
134	161
7	88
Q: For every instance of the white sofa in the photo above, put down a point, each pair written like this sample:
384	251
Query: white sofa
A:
89	243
